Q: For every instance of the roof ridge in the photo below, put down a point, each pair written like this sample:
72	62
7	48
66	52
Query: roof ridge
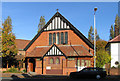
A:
114	38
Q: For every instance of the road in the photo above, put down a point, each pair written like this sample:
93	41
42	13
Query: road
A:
55	78
105	79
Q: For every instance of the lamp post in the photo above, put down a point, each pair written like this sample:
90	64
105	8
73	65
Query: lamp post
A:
95	9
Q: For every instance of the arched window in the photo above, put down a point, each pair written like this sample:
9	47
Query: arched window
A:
57	61
51	60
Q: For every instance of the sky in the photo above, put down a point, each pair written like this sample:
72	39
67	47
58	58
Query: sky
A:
25	16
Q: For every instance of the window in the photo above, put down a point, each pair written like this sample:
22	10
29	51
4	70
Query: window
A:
71	58
50	38
78	61
54	38
57	61
66	37
86	61
58	37
51	60
62	38
89	63
82	62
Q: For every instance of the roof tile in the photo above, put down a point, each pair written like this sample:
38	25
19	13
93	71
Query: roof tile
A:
21	44
68	50
116	39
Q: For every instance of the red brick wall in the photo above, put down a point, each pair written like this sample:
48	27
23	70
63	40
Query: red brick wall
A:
38	68
43	40
114	71
63	66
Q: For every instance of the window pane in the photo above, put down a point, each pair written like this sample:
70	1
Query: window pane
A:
51	61
82	62
50	38
71	58
54	38
78	62
62	40
86	61
89	63
58	37
57	61
66	37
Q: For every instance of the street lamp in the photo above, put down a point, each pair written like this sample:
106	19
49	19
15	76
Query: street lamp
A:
95	9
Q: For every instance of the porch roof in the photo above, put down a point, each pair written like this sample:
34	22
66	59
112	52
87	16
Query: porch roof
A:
68	50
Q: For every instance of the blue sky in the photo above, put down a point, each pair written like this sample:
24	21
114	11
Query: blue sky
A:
25	16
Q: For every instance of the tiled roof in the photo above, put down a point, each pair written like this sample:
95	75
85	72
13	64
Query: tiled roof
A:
68	50
21	44
116	39
38	52
19	57
75	50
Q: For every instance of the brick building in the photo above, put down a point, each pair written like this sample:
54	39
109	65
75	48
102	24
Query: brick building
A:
20	45
59	48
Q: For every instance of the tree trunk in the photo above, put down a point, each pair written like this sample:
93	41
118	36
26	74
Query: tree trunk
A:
7	65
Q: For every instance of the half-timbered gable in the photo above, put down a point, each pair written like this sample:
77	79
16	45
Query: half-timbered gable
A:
52	26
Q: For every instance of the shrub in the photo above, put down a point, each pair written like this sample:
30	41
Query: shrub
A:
4	71
119	66
24	70
12	70
113	67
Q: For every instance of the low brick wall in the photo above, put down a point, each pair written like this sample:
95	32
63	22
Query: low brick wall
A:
115	71
5	69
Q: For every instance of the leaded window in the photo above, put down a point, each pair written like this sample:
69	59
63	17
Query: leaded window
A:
66	37
50	38
51	60
86	61
57	61
78	61
89	63
58	38
62	38
82	62
54	38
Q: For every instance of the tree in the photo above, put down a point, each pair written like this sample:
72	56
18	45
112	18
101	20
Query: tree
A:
97	36
100	44
116	33
102	58
102	55
111	32
41	23
91	34
9	49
